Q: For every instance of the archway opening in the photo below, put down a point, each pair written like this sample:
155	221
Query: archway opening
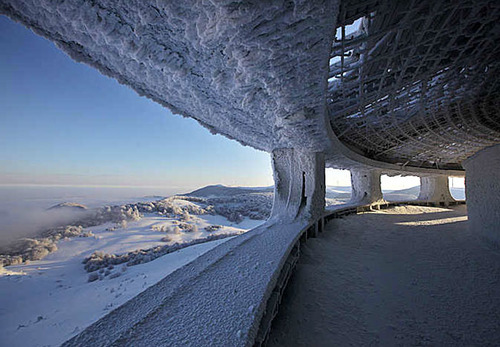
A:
337	186
457	187
400	188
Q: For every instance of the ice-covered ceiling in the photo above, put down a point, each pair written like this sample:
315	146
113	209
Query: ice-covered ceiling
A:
402	84
253	71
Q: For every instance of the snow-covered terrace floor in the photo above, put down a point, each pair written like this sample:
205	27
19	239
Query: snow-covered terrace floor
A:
409	275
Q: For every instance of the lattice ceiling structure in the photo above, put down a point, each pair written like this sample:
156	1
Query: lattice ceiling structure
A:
415	83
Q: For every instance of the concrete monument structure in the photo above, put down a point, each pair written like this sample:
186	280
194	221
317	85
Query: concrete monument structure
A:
377	87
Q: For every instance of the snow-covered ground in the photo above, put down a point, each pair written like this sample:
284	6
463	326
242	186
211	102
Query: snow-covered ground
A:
45	302
406	276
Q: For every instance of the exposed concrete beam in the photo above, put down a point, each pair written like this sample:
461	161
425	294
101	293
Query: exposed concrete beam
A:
299	185
435	189
366	188
339	156
482	189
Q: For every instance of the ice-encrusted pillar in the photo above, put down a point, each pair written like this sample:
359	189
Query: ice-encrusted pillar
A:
299	184
482	191
435	189
366	188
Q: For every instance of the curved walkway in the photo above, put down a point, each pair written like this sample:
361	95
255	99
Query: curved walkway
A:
408	275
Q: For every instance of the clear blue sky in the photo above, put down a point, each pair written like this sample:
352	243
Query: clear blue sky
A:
62	122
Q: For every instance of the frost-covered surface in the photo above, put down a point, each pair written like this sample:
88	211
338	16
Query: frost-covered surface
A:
101	264
57	288
49	301
254	71
60	279
181	217
235	204
255	206
39	246
239	68
366	188
299	184
216	300
220	297
254	203
406	276
28	249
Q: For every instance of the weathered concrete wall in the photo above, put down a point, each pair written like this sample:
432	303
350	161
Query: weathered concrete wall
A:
435	189
299	184
482	190
366	187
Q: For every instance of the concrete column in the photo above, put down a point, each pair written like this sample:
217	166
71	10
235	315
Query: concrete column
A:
435	189
482	190
299	184
366	188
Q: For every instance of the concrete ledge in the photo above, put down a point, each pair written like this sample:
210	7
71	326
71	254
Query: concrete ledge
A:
218	299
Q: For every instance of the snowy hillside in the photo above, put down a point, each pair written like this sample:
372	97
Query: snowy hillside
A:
46	302
337	195
402	194
220	190
59	282
413	192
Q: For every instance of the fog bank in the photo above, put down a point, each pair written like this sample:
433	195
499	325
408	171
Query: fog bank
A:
23	209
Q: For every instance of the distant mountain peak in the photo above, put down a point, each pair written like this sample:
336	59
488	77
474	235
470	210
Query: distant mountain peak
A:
222	190
69	205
